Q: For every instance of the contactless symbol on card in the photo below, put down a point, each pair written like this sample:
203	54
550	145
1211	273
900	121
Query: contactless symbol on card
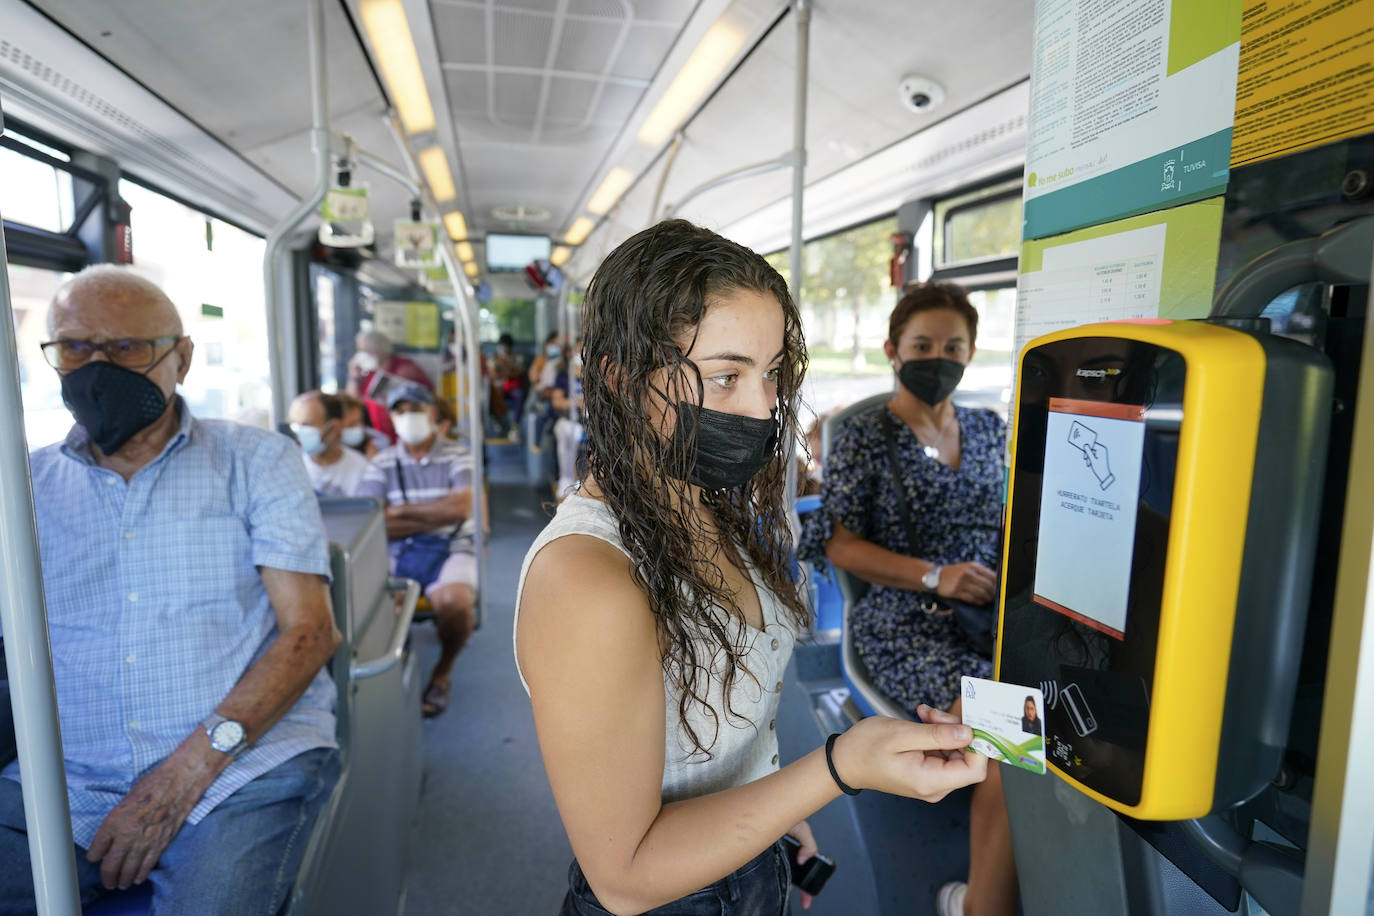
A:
1007	720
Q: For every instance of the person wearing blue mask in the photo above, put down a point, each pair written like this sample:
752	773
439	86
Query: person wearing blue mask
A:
185	568
317	423
657	611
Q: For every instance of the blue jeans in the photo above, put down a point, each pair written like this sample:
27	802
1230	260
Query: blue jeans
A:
758	888
241	859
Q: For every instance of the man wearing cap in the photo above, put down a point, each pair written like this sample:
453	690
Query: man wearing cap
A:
425	482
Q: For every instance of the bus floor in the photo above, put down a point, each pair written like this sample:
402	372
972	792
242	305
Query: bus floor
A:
487	839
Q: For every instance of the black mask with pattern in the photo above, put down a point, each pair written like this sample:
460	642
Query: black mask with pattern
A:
112	403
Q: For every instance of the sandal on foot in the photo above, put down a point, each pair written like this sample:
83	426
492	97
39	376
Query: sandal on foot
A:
435	699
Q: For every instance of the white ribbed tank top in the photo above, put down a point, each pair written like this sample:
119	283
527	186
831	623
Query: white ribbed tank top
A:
743	750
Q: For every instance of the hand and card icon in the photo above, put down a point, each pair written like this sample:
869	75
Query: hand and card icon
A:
1084	438
1008	721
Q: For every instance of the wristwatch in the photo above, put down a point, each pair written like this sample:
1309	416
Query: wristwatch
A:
931	580
226	735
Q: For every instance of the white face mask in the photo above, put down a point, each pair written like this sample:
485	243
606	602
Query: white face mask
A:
365	361
353	436
412	428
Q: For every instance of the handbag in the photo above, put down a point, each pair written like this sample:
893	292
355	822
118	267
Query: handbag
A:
977	623
421	556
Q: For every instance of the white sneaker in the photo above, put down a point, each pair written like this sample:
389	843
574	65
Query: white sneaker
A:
950	900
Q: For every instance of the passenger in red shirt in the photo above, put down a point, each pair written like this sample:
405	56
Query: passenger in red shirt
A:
375	360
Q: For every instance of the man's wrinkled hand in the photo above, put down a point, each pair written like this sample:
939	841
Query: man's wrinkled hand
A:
135	833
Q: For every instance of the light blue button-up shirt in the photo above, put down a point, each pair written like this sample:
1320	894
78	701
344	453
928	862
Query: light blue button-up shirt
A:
156	607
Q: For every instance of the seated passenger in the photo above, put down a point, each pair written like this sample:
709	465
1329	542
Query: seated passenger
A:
951	474
425	482
317	422
358	432
657	611
375	366
565	392
184	564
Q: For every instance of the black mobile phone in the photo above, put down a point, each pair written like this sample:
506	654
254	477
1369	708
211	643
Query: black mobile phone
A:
810	876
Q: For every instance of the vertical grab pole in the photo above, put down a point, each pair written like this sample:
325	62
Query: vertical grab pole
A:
571	334
278	322
466	311
802	10
33	696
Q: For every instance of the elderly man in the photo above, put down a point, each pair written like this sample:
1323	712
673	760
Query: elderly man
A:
184	563
375	367
425	482
317	422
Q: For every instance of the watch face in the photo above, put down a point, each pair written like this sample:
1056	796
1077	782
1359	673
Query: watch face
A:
226	736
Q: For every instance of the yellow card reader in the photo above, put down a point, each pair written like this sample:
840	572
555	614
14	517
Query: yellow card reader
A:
1161	522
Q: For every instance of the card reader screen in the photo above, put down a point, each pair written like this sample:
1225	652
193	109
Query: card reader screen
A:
1093	454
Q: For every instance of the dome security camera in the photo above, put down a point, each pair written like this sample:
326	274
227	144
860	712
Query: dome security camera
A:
920	93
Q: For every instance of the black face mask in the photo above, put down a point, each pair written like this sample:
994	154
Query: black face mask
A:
730	449
112	403
931	380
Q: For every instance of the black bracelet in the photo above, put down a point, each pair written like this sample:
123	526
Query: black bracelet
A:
830	762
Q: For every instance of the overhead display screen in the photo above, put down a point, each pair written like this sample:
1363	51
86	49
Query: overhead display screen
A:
509	253
1093	454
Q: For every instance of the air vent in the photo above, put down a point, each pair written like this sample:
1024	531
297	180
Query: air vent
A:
969	143
128	138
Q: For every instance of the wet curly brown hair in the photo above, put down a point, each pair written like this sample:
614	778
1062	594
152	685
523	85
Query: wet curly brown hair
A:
645	298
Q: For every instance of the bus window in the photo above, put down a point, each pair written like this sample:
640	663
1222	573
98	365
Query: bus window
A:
213	272
845	302
46	420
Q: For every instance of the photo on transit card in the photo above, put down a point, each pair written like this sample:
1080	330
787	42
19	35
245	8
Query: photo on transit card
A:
1008	721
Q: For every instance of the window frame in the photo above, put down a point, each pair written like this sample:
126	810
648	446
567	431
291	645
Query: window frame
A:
30	246
983	194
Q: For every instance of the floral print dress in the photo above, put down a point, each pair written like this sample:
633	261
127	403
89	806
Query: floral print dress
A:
914	656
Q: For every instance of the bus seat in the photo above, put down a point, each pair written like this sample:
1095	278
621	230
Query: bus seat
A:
826	598
867	696
355	856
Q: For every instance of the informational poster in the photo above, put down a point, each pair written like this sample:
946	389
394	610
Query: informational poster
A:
417	244
1306	76
1093	456
409	324
1159	265
1132	103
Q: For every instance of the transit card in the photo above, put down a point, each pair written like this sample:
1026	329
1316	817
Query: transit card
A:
1008	722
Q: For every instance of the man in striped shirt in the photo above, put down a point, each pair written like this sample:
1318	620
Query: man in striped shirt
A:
425	482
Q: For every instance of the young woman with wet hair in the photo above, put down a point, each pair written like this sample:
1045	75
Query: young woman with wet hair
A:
656	612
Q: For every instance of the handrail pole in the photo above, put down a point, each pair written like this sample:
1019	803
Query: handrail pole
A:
802	9
466	312
28	656
276	239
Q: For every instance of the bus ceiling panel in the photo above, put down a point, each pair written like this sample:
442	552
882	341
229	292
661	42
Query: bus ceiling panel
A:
978	143
856	62
240	70
60	82
554	90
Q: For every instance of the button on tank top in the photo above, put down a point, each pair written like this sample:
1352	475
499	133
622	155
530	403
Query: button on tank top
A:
746	744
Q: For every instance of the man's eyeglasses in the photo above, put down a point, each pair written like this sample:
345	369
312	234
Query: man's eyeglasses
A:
128	352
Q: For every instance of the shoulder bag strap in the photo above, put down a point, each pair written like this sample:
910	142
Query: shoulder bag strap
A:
894	462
